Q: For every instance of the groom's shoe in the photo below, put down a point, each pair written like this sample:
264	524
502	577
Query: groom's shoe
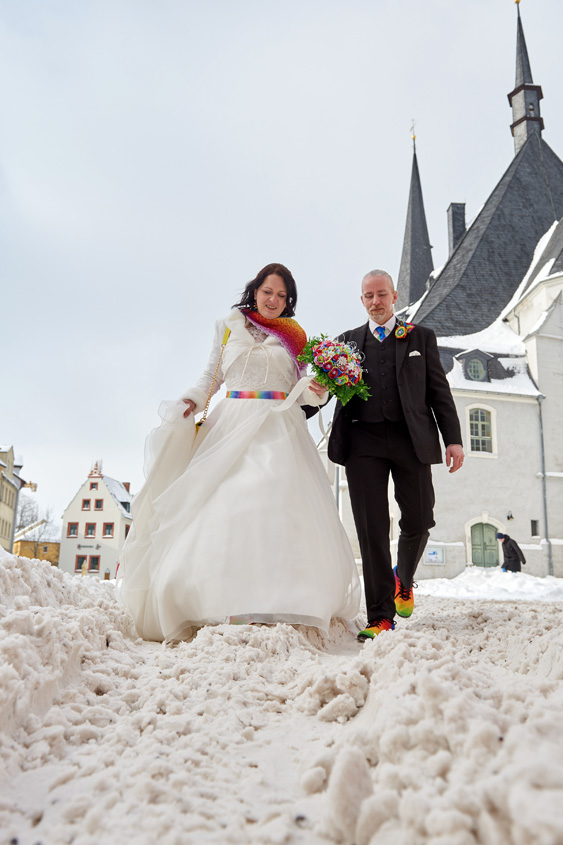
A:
404	598
376	627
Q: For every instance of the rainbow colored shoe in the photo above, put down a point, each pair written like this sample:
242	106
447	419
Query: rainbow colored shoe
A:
404	598
376	627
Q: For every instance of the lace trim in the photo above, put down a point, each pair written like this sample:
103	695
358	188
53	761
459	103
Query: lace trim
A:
258	335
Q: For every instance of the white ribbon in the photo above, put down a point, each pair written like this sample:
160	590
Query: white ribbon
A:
294	396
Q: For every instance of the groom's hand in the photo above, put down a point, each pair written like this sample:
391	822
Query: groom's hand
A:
454	456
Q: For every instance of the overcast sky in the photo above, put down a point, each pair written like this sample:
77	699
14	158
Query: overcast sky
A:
155	155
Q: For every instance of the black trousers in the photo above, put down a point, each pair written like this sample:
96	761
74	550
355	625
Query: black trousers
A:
376	451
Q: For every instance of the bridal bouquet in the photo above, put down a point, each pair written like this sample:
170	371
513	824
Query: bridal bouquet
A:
337	366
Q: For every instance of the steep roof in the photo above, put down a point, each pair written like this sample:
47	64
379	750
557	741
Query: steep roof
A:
484	271
416	258
119	493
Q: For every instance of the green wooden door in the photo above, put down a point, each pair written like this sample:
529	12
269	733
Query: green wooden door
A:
484	545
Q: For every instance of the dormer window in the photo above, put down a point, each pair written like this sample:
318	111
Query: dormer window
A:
476	369
475	364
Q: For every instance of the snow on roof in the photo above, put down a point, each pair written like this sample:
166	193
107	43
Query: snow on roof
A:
519	383
467	352
540	321
38	534
118	491
498	337
542	275
409	312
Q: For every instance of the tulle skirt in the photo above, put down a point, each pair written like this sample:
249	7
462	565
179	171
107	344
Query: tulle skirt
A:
242	526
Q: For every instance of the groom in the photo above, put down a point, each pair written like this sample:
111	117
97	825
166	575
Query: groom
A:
395	432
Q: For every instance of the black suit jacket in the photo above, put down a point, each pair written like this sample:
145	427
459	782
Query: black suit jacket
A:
425	394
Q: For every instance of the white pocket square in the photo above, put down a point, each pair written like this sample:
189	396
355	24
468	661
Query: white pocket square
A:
412	354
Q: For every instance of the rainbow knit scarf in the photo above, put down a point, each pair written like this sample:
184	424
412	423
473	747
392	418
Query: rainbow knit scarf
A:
285	329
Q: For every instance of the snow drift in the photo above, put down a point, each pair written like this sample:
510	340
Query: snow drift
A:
448	731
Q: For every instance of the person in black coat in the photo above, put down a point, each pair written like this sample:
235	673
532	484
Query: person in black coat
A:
394	432
512	554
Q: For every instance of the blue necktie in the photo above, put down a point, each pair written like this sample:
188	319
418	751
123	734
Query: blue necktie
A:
380	332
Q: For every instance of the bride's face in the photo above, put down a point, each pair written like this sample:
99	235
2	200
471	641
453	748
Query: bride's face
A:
271	296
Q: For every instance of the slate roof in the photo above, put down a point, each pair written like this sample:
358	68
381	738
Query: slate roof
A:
484	271
416	258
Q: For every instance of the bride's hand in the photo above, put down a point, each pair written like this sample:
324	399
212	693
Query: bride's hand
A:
190	408
317	388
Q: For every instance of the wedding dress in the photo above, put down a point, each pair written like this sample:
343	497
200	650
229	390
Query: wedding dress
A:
240	525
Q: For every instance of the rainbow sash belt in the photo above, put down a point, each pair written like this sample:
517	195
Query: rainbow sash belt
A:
256	394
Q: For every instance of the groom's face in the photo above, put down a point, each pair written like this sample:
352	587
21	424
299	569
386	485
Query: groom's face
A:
378	298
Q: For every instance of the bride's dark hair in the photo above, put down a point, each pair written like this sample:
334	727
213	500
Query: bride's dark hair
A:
247	298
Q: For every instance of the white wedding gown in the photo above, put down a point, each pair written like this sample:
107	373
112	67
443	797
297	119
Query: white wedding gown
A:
241	526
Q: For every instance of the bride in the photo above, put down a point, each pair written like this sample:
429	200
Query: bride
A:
239	525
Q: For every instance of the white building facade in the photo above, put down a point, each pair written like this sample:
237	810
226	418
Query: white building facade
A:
95	525
512	478
496	307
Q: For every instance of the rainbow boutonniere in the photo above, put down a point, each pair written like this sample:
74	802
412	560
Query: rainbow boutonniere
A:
403	329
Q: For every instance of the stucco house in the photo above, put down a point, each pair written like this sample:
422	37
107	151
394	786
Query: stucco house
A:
10	486
95	525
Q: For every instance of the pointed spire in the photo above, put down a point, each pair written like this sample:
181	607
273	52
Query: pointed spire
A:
523	68
525	98
416	258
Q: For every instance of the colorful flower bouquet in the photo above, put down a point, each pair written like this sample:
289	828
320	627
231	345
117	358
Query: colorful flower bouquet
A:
337	366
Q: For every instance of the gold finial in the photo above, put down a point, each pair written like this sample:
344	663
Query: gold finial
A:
413	123
517	2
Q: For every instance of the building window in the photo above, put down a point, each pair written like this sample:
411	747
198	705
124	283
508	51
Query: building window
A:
108	529
79	562
94	565
127	527
93	485
535	528
90	529
85	504
72	529
98	504
476	369
45	548
480	430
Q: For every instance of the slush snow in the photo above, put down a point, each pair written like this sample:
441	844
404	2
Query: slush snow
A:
447	731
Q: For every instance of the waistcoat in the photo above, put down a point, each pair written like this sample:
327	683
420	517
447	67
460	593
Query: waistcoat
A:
380	375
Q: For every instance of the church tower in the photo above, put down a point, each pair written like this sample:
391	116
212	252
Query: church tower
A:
416	258
489	259
525	98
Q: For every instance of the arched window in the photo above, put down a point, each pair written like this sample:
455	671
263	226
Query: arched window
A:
476	369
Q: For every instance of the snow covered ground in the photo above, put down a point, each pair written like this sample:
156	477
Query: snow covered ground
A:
447	731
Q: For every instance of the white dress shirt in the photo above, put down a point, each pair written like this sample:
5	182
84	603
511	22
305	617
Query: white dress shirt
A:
388	326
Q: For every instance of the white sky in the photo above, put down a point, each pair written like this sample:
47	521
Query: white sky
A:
153	156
